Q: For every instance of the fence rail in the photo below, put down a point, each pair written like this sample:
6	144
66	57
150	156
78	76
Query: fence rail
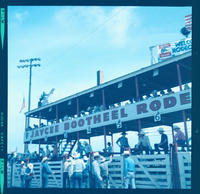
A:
152	171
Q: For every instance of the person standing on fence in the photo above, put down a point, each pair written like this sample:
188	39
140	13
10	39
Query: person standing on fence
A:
96	172
163	143
78	167
87	149
45	172
48	152
109	149
179	137
28	175
144	143
80	149
122	142
22	174
67	173
129	171
86	172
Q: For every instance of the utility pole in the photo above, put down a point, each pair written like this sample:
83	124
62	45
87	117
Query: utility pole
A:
30	66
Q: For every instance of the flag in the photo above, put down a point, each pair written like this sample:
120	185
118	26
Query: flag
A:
188	22
23	105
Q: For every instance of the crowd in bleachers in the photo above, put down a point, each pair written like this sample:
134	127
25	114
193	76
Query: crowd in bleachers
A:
95	109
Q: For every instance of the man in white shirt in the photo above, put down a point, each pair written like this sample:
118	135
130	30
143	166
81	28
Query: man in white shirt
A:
96	172
144	143
78	167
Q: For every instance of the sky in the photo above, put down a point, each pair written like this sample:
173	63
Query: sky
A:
74	42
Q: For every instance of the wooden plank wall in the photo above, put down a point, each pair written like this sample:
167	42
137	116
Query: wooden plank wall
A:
153	171
116	172
184	161
36	181
8	176
56	180
16	182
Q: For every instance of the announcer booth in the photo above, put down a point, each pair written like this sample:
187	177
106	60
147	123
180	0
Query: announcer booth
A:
122	104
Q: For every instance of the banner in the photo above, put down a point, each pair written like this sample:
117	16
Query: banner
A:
143	109
174	48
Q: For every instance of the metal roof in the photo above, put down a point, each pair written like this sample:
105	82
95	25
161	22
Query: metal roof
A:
167	78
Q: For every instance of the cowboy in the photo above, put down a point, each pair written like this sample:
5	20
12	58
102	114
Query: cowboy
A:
28	175
123	142
109	148
104	170
87	149
163	143
78	167
86	172
96	172
67	173
45	172
129	171
179	137
144	143
80	149
22	174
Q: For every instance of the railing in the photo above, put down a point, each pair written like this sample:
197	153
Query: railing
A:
184	160
152	172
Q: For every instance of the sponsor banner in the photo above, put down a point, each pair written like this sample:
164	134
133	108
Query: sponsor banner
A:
174	48
146	108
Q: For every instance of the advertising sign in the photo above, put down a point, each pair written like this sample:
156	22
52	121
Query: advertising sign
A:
146	108
174	48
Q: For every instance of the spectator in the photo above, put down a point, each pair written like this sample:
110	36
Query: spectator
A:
80	149
169	91
122	142
87	149
129	171
186	86
86	172
144	144
163	143
96	173
67	173
78	167
179	137
48	152
22	174
104	171
45	172
162	92
28	175
109	148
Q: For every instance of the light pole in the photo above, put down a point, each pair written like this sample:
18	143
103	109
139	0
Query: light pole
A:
31	60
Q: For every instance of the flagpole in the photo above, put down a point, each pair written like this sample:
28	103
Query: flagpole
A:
29	92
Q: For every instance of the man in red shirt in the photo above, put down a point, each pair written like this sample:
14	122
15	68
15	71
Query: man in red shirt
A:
179	137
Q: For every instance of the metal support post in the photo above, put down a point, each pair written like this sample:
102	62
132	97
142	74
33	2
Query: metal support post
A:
137	100
183	111
104	128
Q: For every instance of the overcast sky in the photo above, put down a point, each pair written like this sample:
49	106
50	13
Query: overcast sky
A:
73	43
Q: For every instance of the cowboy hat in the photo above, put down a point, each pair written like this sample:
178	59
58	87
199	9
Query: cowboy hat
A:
30	165
160	129
76	155
44	159
102	159
126	152
141	133
176	127
96	154
123	133
85	158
